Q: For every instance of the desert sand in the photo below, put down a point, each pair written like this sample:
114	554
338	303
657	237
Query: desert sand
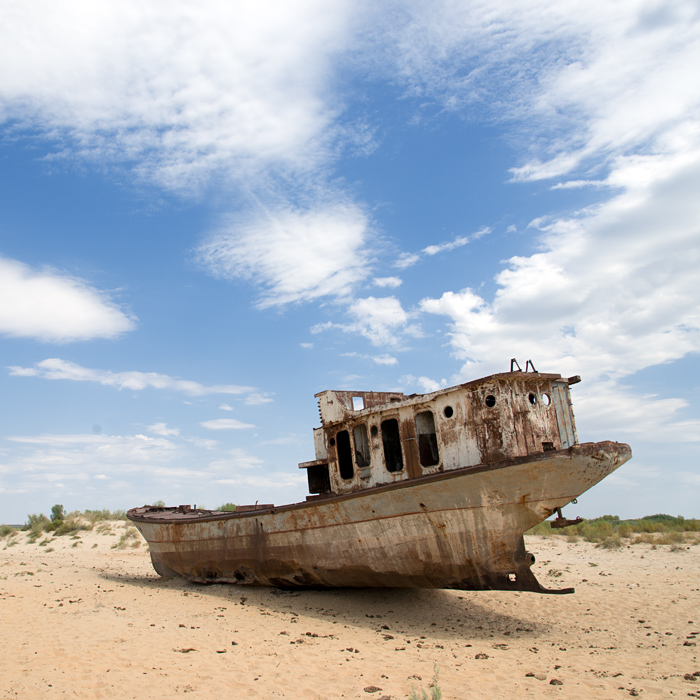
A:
81	618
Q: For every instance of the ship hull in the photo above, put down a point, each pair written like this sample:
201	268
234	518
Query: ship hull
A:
459	529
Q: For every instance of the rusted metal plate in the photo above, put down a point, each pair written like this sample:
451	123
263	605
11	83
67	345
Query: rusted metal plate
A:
455	529
495	418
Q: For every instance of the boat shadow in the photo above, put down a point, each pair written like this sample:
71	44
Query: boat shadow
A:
430	614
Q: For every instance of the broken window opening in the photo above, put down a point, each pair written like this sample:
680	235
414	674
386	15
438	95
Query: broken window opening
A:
490	401
362	453
427	439
393	458
344	454
319	480
449	412
532	399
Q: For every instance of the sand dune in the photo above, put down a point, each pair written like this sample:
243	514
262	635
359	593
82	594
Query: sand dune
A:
83	619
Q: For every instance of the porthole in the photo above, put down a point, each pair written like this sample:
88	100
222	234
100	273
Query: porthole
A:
332	442
374	430
449	412
490	401
532	399
546	400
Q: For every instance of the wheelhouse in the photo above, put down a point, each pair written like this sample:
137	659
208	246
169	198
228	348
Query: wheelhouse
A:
371	438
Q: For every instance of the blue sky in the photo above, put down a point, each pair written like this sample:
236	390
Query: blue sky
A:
210	212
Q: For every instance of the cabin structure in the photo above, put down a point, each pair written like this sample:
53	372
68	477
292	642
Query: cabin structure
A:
370	438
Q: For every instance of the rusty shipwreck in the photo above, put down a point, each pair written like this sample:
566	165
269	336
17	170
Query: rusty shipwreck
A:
428	490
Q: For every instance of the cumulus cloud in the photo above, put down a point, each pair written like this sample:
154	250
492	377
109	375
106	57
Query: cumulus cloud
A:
613	291
55	368
382	320
54	307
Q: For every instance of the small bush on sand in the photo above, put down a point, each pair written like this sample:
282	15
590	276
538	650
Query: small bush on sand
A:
36	522
71	525
105	514
130	535
7	531
609	529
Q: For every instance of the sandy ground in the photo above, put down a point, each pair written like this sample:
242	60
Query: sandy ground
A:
83	619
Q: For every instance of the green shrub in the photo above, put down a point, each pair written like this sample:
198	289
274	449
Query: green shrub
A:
129	536
57	513
36	523
71	525
99	515
651	528
230	507
7	531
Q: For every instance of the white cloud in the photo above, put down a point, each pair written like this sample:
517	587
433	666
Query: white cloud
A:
225	424
162	429
580	79
391	282
54	307
306	346
234	460
275	480
225	407
406	260
257	399
42	461
614	290
182	92
608	408
426	384
55	368
292	255
385	359
382	320
458	242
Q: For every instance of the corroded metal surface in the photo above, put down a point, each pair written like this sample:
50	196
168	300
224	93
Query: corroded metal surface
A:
507	415
461	528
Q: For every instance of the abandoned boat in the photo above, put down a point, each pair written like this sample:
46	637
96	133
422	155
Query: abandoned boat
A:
428	490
